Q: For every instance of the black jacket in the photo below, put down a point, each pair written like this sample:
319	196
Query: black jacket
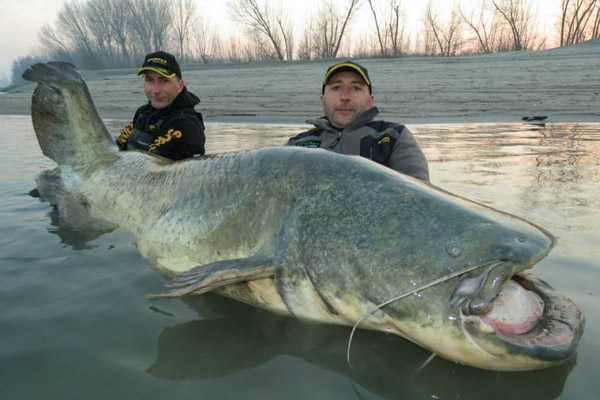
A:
175	132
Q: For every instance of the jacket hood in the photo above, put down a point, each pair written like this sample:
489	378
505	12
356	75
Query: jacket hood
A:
185	99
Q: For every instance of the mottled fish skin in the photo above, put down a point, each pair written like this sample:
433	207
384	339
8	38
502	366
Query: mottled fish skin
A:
309	233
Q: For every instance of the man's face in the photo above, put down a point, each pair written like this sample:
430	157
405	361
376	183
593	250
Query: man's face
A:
346	96
161	91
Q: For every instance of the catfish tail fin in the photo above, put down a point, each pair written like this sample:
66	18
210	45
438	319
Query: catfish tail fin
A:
66	122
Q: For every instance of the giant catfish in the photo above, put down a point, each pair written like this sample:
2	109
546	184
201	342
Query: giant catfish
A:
314	234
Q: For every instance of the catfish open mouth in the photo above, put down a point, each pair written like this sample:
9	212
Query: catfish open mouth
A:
531	317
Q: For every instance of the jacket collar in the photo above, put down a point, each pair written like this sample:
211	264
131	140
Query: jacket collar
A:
362	119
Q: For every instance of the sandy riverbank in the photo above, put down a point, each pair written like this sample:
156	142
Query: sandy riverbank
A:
563	84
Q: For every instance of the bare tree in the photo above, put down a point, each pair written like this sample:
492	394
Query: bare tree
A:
395	28
391	29
577	20
119	17
378	30
205	43
184	15
81	33
365	45
257	48
98	15
71	24
233	52
306	45
118	33
448	36
286	28
107	33
595	29
485	24
521	19
265	25
51	42
331	24
149	21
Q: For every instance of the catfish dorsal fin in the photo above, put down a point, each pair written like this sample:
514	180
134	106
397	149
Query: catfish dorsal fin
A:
206	278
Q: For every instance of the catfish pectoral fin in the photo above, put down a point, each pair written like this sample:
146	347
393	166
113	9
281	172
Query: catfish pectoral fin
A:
206	278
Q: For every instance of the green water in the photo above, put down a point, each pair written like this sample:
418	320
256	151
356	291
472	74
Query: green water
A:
75	322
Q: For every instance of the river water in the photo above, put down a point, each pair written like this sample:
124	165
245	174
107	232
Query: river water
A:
75	322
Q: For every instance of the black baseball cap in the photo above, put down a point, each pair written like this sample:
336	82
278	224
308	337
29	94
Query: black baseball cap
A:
162	63
347	66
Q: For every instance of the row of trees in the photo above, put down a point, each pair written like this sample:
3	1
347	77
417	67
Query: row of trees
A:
114	33
118	33
580	20
494	26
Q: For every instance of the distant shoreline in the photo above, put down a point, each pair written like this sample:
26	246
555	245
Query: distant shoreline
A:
562	84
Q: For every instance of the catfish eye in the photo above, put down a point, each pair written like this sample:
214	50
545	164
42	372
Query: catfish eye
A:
453	249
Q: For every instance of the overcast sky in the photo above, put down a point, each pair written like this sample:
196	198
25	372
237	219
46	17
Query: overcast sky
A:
21	20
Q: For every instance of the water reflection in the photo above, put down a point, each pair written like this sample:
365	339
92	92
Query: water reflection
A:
566	171
79	236
244	337
494	146
551	166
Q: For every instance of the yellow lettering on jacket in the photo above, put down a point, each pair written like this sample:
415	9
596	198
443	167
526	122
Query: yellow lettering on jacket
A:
384	140
159	141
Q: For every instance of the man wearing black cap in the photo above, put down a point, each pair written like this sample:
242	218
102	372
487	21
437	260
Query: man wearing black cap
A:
167	125
349	127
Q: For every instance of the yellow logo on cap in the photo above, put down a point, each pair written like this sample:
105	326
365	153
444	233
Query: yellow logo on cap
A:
158	60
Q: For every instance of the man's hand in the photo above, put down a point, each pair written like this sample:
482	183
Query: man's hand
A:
121	141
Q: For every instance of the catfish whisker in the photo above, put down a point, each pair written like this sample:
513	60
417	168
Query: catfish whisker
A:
420	288
425	363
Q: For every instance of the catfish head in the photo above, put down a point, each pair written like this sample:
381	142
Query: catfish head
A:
442	271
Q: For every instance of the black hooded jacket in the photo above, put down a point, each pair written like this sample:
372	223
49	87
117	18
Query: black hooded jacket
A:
175	132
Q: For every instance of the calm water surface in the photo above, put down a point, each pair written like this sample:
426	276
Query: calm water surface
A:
75	322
